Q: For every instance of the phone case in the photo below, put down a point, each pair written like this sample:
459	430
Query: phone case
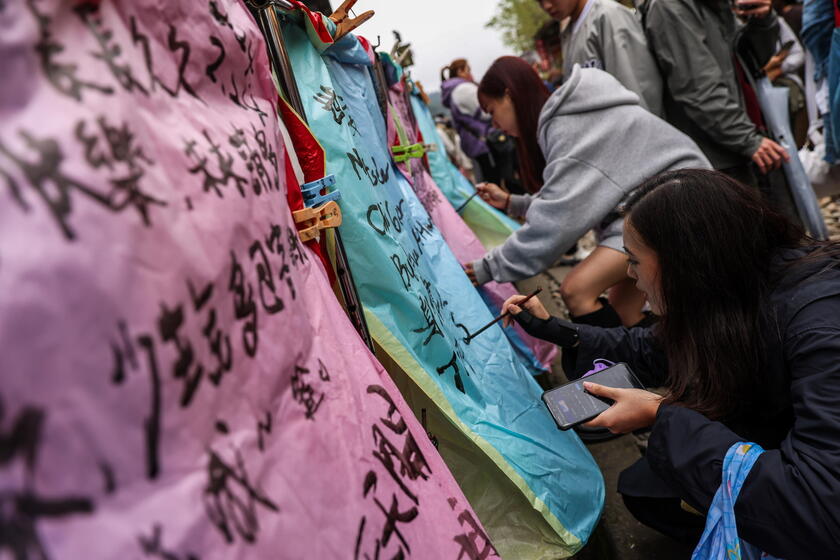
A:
634	381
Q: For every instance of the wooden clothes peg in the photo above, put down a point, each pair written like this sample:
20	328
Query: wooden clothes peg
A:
403	55
345	24
310	221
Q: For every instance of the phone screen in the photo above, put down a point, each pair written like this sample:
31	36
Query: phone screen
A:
570	404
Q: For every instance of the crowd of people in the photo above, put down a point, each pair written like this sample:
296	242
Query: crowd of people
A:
650	133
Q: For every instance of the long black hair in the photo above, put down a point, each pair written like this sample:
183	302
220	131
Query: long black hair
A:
715	240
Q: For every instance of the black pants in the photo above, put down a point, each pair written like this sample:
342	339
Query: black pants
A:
742	173
489	173
666	516
772	186
653	502
505	162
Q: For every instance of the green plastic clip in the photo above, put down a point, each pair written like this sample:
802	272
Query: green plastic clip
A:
404	153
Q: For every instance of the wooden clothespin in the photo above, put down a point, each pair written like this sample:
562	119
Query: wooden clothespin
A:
401	52
345	24
310	221
403	55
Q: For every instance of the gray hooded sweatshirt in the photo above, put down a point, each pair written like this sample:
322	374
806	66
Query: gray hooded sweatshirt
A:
599	144
608	36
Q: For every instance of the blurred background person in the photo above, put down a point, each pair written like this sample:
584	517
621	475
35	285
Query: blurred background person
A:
459	94
708	94
791	11
604	34
819	18
452	144
785	69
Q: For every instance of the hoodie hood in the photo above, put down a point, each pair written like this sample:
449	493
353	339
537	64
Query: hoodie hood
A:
586	90
446	89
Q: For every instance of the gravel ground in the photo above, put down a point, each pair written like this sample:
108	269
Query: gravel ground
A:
831	213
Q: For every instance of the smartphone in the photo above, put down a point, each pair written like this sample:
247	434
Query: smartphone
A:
786	47
571	404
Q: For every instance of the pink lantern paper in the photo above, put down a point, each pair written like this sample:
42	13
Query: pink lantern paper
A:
178	380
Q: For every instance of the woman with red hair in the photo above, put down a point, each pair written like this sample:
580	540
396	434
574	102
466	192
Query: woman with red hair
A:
582	150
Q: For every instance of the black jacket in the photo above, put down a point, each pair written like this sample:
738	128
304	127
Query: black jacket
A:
790	503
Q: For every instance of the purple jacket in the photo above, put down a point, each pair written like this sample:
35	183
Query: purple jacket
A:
471	128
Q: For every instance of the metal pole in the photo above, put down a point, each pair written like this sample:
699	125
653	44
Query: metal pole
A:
270	23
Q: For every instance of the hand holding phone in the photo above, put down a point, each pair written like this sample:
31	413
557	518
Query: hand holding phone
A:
785	50
632	409
773	68
613	397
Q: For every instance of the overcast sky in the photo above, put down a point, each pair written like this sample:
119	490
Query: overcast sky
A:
438	30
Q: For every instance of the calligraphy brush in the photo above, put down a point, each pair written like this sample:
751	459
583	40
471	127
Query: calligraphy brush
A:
472	196
500	317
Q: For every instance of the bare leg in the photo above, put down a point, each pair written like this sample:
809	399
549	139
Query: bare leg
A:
627	301
598	272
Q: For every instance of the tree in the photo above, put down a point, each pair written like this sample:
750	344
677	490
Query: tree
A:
519	21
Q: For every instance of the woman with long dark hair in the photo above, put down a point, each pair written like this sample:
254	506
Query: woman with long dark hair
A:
748	349
582	150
